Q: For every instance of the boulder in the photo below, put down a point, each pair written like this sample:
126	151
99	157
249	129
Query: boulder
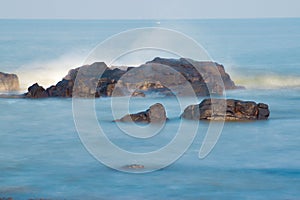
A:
227	109
205	76
9	82
36	91
155	114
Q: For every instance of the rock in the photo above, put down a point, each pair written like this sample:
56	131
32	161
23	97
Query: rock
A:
36	91
155	114
160	75
215	109
9	82
204	82
138	94
134	166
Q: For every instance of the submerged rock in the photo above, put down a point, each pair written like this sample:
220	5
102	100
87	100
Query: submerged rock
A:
229	110
9	82
155	114
134	166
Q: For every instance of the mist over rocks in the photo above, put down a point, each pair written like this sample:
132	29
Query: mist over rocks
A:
9	82
227	109
164	76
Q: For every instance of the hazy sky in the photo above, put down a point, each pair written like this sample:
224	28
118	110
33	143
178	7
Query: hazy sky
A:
148	9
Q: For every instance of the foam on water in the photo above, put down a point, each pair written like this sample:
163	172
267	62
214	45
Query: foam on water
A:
47	72
268	81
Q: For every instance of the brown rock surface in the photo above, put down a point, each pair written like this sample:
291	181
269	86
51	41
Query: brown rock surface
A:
155	114
229	110
8	82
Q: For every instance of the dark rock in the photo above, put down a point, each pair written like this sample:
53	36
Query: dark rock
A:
205	82
229	110
263	111
155	114
164	76
9	82
36	91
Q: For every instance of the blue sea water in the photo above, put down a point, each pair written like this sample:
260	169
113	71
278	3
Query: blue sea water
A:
41	155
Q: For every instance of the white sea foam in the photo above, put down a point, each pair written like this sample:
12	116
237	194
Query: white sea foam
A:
47	72
267	81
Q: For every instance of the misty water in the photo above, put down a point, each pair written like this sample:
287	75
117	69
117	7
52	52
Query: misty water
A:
42	156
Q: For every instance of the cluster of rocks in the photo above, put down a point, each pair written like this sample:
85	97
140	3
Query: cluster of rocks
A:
8	82
158	75
208	109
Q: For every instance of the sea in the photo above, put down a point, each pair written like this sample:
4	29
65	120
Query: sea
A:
43	155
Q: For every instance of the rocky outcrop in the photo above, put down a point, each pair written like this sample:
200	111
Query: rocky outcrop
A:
229	110
205	77
155	114
9	82
36	91
163	76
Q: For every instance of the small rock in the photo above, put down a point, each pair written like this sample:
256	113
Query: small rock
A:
156	114
138	94
134	166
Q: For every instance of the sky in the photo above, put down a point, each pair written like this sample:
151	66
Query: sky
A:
147	9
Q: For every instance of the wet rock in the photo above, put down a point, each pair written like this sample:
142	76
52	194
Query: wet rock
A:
167	77
205	77
229	110
138	94
155	114
36	91
9	82
134	166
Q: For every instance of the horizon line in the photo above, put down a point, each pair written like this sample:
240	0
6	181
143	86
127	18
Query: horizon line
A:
145	19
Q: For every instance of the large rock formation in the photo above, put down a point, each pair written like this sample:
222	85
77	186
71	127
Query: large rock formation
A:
155	114
8	82
229	110
205	77
164	76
